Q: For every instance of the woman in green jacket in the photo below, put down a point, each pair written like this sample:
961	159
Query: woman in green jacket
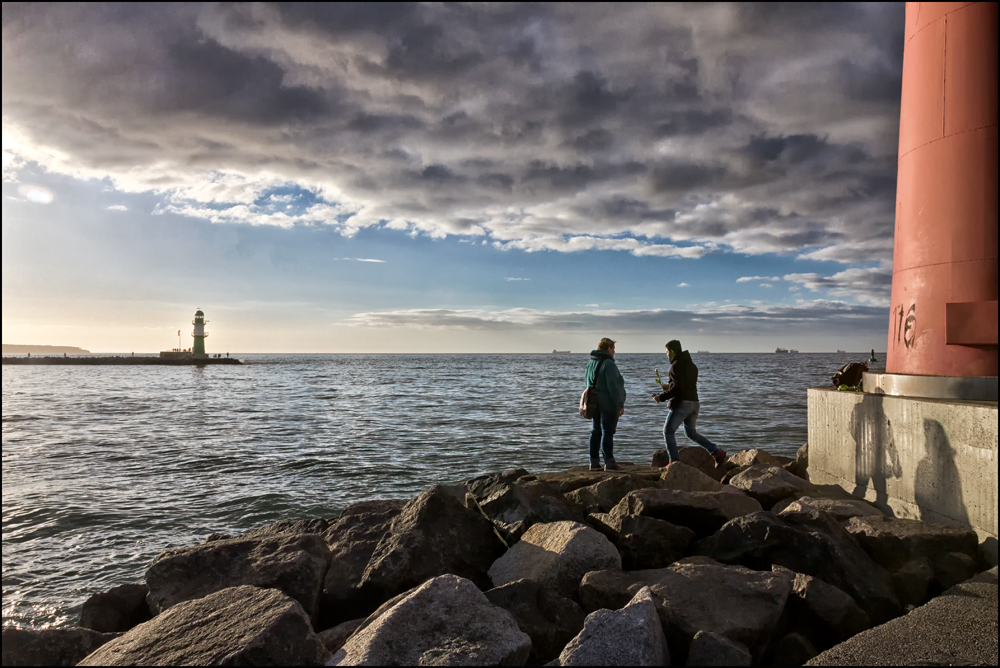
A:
610	400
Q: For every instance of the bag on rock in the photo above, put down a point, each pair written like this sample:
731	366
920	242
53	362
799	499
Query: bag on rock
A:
850	374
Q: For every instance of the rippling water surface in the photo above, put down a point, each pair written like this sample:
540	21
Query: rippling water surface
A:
105	467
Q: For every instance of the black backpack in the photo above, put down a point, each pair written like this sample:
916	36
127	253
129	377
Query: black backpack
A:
850	374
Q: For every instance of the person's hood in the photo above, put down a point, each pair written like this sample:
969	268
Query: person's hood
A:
599	355
683	356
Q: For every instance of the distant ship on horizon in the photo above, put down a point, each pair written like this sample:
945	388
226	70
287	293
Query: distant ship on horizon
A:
841	351
560	352
702	352
781	350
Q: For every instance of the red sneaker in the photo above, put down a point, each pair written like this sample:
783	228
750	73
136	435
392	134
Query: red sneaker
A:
720	457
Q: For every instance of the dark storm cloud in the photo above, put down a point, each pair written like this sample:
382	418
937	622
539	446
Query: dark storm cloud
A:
753	128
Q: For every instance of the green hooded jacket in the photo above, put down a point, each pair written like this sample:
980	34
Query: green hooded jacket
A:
610	384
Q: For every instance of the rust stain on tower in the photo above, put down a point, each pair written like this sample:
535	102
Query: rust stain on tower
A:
943	317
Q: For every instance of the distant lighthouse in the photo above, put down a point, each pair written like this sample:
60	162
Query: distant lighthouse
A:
199	334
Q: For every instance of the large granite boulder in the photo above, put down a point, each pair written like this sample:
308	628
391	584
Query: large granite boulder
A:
447	621
754	457
352	539
434	534
696	594
293	563
643	542
892	542
116	610
51	647
581	476
551	620
235	626
809	542
824	614
702	512
684	478
840	509
514	506
713	649
286	527
604	495
631	636
557	555
770	484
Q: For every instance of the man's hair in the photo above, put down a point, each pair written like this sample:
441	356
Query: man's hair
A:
674	345
605	344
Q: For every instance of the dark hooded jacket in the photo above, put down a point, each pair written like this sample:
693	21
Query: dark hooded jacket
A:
682	382
610	384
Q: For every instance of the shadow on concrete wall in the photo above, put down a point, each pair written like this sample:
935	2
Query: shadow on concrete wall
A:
937	484
876	457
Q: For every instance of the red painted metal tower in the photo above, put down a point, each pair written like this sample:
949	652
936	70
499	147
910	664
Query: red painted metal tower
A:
944	284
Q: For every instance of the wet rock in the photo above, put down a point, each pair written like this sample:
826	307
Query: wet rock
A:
769	484
556	555
711	649
434	534
643	542
695	594
840	509
754	457
892	542
631	636
702	512
514	506
823	613
116	610
809	542
352	539
680	476
235	626
333	639
50	647
293	563
793	649
318	526
912	582
549	619
445	621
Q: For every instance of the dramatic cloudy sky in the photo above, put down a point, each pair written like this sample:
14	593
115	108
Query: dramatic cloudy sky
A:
379	177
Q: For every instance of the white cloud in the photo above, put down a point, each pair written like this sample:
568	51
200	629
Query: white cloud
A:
361	259
117	207
745	279
511	278
682	285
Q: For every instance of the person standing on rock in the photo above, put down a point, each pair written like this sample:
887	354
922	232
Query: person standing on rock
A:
603	373
681	390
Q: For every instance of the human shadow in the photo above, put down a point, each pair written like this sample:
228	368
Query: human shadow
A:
876	457
937	485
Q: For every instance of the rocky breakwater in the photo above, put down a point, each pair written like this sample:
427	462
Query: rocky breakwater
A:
681	565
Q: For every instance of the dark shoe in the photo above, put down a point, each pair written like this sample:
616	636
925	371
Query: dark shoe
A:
720	458
596	466
613	468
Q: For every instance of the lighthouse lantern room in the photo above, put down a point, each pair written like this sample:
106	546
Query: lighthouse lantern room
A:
199	334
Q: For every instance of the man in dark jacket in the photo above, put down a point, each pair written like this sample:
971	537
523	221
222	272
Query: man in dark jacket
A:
610	400
681	390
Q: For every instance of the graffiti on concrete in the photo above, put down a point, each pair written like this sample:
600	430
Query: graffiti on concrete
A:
904	323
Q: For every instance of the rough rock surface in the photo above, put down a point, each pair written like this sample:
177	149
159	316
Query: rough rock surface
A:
236	626
446	621
50	647
549	619
823	613
557	555
840	509
604	495
352	539
631	636
913	582
581	476
809	542
686	478
702	512
711	649
293	563
334	638
754	457
434	534
514	506
892	542
769	484
643	542
289	527
792	649
696	594
116	610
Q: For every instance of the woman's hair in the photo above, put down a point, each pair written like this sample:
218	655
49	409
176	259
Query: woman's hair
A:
674	345
605	344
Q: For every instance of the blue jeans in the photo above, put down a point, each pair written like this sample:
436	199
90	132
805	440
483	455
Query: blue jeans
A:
602	437
686	412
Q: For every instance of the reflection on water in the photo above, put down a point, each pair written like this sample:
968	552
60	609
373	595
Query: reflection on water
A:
105	467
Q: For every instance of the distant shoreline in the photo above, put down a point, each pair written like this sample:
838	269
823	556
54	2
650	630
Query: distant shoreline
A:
15	348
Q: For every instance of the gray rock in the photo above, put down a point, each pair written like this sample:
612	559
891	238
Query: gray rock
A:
235	626
695	594
293	563
285	527
711	649
823	613
892	542
643	542
604	495
702	512
556	555
580	476
116	610
802	455
730	471
50	647
446	621
660	459
793	649
913	582
333	639
699	458
954	567
840	509
549	619
754	457
769	484
352	539
686	478
809	542
434	534
515	506
631	636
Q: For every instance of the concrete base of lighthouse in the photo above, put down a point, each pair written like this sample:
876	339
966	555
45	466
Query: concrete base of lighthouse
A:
915	457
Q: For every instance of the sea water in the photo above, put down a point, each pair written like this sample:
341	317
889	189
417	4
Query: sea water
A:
105	467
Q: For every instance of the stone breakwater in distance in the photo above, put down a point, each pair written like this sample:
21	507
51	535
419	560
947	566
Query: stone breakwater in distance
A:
118	360
747	564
